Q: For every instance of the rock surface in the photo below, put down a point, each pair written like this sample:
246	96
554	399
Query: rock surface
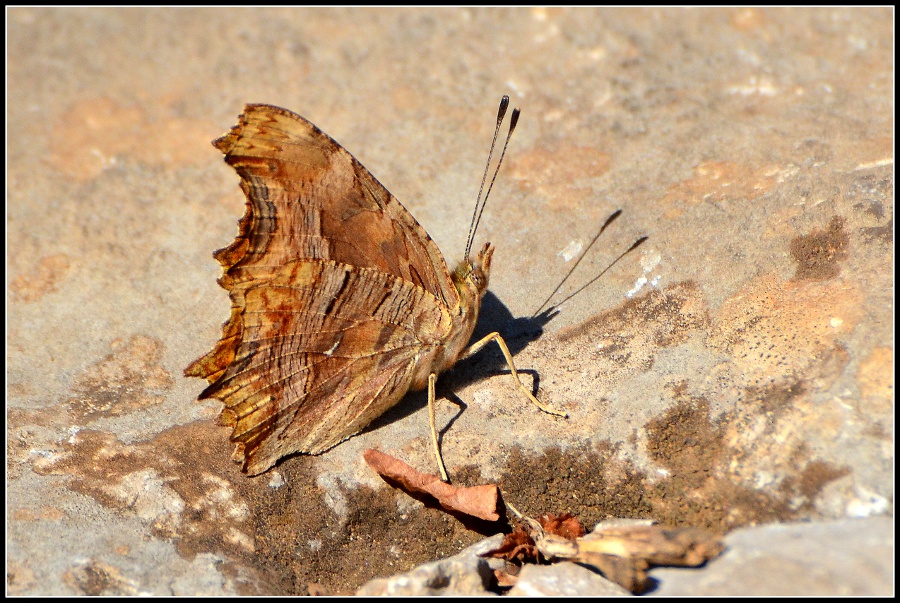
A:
852	557
735	369
463	575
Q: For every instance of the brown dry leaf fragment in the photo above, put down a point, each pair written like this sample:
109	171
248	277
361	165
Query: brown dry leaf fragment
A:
629	573
504	579
565	525
552	545
517	546
477	501
621	549
657	544
624	552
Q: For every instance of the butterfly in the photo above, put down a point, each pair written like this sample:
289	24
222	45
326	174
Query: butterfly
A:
340	301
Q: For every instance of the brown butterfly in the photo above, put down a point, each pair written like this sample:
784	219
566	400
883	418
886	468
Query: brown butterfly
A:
340	301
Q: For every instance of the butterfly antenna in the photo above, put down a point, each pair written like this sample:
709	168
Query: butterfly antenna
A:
476	215
513	120
609	221
634	246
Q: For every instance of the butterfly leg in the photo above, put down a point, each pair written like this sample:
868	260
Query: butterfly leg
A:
512	367
432	378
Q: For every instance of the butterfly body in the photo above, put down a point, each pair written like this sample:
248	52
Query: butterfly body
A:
471	281
341	302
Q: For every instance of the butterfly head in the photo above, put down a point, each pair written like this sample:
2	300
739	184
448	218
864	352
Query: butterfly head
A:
471	275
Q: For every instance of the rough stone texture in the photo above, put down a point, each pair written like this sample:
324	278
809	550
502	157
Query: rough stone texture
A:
736	369
466	574
563	580
852	557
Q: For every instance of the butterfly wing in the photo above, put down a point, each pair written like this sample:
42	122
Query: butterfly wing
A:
337	293
326	349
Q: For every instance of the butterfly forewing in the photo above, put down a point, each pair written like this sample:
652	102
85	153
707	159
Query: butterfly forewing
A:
337	294
309	198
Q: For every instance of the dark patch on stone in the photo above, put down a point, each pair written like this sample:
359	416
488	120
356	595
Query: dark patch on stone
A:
774	398
94	580
820	253
625	340
590	483
803	488
677	309
375	540
871	207
885	233
698	490
684	438
876	197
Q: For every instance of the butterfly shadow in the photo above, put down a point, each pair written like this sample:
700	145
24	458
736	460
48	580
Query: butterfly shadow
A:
494	316
516	332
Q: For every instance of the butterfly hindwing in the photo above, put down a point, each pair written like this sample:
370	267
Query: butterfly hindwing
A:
326	348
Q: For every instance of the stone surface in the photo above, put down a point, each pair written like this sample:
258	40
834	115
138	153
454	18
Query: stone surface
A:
465	574
853	557
736	369
563	580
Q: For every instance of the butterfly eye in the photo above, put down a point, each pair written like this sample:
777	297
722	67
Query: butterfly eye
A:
478	279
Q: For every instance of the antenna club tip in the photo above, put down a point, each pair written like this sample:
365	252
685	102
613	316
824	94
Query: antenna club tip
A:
501	111
514	119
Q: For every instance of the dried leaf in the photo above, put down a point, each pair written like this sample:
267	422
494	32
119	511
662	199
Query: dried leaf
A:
621	549
623	552
629	573
657	544
481	502
565	525
553	545
517	546
505	579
